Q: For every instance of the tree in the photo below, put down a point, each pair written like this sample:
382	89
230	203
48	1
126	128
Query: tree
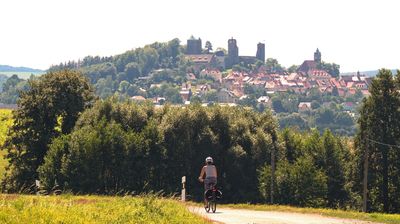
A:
11	82
379	121
293	68
47	109
273	65
292	145
334	169
132	71
333	69
208	47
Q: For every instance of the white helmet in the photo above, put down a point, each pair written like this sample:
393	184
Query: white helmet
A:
209	160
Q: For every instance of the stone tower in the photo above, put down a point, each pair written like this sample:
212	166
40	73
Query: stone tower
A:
317	56
193	46
233	53
261	52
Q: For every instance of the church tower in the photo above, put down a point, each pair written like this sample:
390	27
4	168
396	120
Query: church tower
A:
317	56
260	55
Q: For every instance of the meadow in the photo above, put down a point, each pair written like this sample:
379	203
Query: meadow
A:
5	123
93	209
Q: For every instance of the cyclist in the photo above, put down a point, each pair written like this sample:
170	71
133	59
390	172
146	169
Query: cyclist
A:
210	173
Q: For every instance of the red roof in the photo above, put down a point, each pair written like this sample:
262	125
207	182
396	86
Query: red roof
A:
307	66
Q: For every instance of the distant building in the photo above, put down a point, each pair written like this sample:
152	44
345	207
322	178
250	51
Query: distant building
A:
202	61
263	99
317	56
260	55
233	53
138	98
212	73
186	91
226	96
309	65
194	46
304	106
233	57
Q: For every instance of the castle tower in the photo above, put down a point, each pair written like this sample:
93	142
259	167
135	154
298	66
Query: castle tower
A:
233	53
317	56
261	52
193	46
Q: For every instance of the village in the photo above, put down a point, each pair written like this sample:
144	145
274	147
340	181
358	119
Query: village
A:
229	84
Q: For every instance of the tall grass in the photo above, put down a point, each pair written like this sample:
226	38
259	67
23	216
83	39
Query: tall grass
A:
93	209
5	123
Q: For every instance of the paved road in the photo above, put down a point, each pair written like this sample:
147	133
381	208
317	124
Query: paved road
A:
242	216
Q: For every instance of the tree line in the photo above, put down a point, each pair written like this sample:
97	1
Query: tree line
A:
63	135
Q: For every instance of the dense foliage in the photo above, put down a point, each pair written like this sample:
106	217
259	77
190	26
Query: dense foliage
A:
47	109
5	123
127	147
311	171
10	89
378	142
3	79
119	75
327	111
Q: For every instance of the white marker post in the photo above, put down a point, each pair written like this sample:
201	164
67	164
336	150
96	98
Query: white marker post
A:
183	193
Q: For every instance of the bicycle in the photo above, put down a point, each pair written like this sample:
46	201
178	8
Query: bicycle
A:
212	195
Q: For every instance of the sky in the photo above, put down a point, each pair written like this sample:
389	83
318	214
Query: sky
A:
356	34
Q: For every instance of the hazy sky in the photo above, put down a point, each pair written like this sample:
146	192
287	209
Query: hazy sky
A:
358	35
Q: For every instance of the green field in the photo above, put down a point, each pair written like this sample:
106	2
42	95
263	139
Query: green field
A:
93	209
373	217
22	75
5	123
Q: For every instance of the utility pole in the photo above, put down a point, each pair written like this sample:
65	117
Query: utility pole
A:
272	174
365	180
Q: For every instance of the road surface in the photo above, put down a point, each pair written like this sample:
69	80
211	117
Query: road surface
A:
242	216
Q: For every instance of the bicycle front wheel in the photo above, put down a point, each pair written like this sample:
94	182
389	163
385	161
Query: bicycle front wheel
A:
213	206
208	206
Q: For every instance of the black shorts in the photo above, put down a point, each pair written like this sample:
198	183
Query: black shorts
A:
208	182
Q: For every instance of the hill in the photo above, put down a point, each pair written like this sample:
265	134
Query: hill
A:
7	68
371	73
21	72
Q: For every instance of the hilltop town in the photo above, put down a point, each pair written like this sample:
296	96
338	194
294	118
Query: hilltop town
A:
232	79
231	84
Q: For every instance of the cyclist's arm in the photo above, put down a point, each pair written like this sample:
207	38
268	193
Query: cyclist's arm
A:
216	173
202	173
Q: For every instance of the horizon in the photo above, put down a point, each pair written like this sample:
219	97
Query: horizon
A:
357	35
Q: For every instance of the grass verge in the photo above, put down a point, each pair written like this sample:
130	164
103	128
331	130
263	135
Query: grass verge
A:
373	217
93	209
